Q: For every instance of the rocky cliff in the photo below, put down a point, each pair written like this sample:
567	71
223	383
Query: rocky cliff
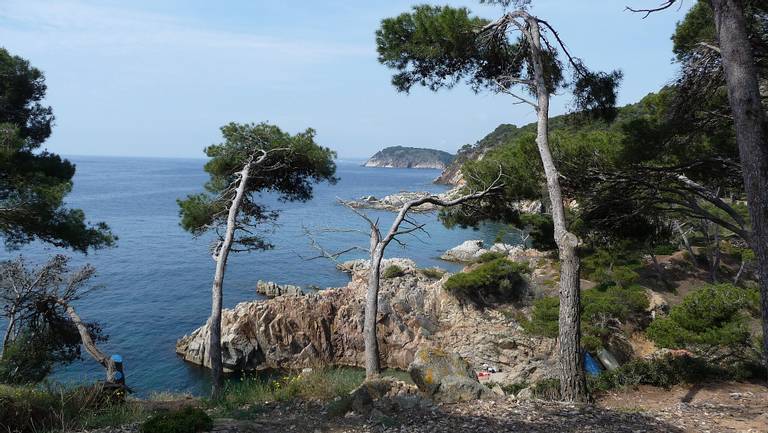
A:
410	157
326	328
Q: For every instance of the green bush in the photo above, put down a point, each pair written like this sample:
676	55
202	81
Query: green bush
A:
187	420
490	256
612	266
393	271
597	305
432	273
546	389
710	321
499	279
663	372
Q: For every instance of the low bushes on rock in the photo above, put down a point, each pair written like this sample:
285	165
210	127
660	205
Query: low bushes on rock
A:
489	256
432	273
498	279
187	420
393	271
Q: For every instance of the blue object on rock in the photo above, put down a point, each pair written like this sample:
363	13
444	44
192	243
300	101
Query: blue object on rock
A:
590	365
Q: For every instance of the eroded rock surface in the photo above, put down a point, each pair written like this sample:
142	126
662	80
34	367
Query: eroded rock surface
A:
326	328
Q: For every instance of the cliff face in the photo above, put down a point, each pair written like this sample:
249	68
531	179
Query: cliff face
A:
410	157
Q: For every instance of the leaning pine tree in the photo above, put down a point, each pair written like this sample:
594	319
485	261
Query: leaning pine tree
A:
517	54
253	159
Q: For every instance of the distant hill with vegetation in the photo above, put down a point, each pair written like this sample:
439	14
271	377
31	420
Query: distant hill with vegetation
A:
410	157
508	133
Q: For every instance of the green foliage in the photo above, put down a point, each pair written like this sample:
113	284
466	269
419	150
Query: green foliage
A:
598	307
490	256
499	279
668	370
612	265
187	420
711	321
432	273
35	410
293	164
698	26
33	183
393	271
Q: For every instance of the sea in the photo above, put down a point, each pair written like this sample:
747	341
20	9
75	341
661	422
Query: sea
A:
155	285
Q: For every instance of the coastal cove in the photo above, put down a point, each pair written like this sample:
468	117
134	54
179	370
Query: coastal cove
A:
156	282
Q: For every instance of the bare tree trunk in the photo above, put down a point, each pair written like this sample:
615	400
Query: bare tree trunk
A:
372	365
89	344
750	123
377	247
8	332
741	270
715	264
572	380
686	242
214	337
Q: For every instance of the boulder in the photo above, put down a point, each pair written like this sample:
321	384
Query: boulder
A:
446	377
466	252
271	290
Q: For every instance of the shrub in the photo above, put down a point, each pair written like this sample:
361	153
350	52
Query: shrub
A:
393	271
711	320
612	266
499	278
187	420
490	256
546	389
663	372
598	305
432	273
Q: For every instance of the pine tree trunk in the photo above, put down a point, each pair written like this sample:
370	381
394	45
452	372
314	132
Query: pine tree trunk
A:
8	332
572	380
214	337
372	367
750	123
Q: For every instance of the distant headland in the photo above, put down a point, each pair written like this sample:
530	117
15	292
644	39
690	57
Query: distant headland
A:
410	157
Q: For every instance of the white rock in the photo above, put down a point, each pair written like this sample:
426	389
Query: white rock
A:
466	252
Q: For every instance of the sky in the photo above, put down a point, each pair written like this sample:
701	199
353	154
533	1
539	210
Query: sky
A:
160	77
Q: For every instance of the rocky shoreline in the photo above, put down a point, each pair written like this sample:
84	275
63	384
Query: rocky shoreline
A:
414	312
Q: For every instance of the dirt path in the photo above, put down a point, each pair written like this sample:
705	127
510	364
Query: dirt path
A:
725	407
709	408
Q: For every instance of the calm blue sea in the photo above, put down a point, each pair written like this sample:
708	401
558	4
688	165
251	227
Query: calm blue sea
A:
156	282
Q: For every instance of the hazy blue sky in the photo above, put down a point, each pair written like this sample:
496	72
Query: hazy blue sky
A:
158	78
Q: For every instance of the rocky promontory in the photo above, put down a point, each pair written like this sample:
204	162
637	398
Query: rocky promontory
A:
410	157
326	329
